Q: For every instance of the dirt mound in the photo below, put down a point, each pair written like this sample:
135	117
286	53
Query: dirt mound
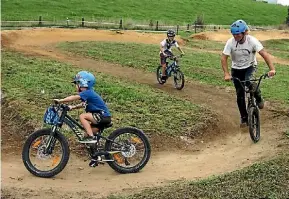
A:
200	36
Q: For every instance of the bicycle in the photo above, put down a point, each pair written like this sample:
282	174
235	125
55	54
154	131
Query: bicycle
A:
126	150
252	108
175	69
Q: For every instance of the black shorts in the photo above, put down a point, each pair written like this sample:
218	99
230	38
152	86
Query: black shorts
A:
100	120
163	58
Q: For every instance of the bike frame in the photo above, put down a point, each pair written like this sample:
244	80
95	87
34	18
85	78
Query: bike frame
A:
173	66
251	98
73	125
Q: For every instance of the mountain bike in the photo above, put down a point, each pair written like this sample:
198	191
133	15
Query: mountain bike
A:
252	108
173	69
46	151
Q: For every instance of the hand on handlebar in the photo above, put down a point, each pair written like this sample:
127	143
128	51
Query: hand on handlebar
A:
71	107
56	101
271	73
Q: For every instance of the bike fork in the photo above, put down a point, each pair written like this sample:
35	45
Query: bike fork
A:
51	141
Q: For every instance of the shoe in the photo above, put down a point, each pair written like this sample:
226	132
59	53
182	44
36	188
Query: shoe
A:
244	122
89	140
94	161
164	79
260	104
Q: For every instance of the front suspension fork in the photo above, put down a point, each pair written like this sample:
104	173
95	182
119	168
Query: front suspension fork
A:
51	141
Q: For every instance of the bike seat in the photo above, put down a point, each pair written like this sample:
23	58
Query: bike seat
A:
108	125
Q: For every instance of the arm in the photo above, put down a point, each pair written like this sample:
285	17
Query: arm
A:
179	48
68	99
269	62
81	105
162	49
224	62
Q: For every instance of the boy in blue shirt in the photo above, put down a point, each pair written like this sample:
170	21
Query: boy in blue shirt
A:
97	113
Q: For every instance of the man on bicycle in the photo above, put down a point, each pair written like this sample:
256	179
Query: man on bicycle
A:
242	48
166	51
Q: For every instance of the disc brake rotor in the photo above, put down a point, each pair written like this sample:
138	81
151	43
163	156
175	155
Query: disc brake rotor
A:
129	152
40	153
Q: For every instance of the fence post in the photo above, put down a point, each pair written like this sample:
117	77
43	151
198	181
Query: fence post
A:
177	29
157	26
82	22
67	21
195	27
120	24
40	21
188	27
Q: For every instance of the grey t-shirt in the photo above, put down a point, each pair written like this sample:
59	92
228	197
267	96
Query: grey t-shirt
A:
243	55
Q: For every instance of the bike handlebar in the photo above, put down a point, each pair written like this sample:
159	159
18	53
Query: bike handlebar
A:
59	105
175	57
264	76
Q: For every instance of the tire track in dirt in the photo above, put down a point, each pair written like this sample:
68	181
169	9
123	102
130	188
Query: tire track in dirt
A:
232	150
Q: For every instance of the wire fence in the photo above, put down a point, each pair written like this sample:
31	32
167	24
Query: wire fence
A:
121	25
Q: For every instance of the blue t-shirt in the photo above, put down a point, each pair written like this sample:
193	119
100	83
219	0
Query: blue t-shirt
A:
94	103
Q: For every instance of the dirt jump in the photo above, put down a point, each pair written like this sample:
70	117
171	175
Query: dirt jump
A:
229	149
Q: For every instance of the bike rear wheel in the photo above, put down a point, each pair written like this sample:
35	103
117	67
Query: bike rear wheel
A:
179	79
40	163
159	74
254	123
130	150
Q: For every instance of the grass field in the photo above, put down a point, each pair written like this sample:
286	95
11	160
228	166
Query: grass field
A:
30	85
263	180
175	12
198	66
279	48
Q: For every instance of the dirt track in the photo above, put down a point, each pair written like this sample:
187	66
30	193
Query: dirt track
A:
231	150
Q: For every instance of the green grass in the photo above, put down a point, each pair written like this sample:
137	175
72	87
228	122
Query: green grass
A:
24	79
263	180
175	12
277	44
199	66
278	47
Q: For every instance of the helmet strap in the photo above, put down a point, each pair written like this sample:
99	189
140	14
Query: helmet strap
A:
241	40
78	88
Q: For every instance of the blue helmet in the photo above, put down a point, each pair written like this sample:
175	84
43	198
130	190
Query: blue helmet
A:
84	79
239	26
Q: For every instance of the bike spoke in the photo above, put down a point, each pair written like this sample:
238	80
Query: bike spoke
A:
40	159
132	150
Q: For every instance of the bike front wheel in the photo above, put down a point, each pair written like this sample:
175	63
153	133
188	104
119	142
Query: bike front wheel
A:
179	79
129	148
254	123
159	74
42	161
